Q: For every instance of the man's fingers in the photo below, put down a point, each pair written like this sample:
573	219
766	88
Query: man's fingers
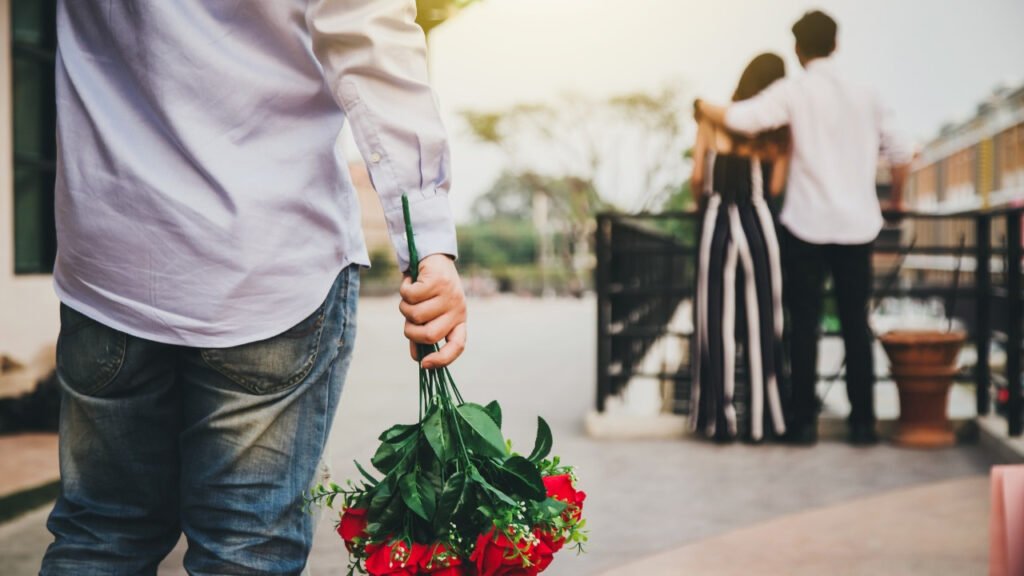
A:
432	332
435	309
416	292
413	352
424	312
452	349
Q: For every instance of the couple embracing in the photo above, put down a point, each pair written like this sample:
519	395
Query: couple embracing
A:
817	137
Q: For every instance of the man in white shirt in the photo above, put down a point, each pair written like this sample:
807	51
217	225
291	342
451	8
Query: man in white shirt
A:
831	213
208	264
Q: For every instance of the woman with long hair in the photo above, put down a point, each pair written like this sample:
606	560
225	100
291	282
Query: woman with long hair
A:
738	304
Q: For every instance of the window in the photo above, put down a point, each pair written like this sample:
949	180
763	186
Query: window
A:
34	41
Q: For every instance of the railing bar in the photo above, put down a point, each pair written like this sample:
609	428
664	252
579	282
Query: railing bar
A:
982	311
1014	318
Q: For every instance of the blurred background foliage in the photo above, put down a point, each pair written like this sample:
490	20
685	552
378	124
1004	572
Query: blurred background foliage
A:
564	161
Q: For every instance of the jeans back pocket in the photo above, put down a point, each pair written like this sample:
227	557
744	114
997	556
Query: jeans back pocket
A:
274	364
89	353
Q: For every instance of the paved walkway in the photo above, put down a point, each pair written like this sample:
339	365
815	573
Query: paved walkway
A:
645	497
937	529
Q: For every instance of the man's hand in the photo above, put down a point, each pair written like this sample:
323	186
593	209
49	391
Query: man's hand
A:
435	308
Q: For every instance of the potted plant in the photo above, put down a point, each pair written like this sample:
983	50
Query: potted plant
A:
923	363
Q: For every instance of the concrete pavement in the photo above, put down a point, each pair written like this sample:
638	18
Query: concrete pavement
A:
644	497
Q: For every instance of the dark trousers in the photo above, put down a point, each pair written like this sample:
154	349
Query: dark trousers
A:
805	267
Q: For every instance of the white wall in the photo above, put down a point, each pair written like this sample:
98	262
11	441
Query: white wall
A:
29	311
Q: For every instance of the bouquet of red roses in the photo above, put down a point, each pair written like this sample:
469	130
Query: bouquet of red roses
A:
451	497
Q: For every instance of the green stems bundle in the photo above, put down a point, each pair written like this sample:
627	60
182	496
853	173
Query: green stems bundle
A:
450	487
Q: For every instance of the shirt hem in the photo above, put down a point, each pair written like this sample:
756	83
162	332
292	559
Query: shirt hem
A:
189	338
825	239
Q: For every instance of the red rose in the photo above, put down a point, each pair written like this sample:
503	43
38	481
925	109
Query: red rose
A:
494	555
395	559
544	552
553	541
560	488
439	561
352	526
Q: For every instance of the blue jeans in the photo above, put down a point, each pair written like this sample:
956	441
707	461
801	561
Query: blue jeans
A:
218	443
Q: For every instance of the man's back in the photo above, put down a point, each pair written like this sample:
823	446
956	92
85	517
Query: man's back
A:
202	164
838	130
201	198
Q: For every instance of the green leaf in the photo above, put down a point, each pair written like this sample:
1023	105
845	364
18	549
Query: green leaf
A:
383	510
399	432
475	476
485	436
389	454
493	410
428	493
373	481
551	508
437	435
522	477
411	495
542	446
452	497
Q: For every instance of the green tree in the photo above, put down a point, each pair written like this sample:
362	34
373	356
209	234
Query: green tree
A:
629	148
680	200
569	159
532	232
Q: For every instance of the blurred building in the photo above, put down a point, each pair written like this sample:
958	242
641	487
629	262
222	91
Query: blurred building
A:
976	164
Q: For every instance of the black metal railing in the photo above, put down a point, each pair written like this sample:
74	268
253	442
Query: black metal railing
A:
646	267
643	273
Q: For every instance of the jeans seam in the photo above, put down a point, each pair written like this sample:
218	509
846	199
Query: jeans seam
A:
344	307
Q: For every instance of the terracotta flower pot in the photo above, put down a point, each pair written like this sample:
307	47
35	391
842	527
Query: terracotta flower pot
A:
923	364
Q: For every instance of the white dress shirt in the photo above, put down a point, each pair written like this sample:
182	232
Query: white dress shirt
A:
201	195
838	130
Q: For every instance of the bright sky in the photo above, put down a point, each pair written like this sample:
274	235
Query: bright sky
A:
932	61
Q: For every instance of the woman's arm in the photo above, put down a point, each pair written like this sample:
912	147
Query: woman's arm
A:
779	174
700	150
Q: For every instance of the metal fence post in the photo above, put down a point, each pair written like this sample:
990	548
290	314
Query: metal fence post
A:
602	251
982	309
1013	330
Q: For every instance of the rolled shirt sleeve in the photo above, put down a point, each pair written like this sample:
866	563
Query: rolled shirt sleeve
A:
768	110
374	59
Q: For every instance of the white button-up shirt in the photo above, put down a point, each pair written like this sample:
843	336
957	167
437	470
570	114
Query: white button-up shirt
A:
838	130
201	195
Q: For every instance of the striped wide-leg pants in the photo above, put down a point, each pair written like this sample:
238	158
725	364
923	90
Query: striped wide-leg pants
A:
738	324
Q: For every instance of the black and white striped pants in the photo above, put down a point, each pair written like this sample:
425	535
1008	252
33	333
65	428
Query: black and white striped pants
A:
738	316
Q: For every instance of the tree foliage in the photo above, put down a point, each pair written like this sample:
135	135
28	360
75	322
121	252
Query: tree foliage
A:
629	148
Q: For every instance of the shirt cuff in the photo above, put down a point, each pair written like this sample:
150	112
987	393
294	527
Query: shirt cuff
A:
433	227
